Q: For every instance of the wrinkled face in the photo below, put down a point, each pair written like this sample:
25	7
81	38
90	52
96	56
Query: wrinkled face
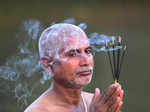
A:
74	67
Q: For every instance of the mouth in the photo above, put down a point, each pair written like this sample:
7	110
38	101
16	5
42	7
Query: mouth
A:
85	73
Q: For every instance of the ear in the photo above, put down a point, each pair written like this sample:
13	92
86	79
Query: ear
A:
45	61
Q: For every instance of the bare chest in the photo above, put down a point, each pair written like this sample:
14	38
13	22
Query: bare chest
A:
66	109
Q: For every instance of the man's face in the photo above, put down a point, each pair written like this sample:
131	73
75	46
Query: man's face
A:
74	67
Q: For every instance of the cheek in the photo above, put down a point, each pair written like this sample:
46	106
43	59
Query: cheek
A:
66	68
91	61
72	65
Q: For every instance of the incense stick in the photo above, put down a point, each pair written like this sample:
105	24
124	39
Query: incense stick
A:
122	58
115	57
118	59
111	66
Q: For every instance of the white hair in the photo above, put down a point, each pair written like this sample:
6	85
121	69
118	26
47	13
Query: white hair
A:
53	37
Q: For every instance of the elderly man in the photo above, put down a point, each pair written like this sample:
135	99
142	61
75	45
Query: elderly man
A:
66	54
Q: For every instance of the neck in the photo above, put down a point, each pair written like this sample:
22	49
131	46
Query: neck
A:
67	95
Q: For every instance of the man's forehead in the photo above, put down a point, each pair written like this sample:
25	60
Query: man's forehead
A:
76	43
64	36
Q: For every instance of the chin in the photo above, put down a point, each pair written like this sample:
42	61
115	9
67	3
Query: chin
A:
83	81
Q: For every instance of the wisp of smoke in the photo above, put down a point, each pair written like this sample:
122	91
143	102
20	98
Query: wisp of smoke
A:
25	64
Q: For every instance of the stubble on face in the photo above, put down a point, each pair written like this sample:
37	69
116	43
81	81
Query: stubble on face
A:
67	37
66	75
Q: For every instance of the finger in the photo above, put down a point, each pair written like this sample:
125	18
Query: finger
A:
97	95
119	107
115	98
116	94
110	91
109	103
121	94
114	107
112	100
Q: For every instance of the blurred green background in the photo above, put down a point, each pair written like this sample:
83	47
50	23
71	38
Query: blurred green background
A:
130	19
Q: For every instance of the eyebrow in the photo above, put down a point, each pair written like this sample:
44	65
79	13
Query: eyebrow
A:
89	47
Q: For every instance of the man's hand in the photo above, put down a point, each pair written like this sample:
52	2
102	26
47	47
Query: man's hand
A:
110	101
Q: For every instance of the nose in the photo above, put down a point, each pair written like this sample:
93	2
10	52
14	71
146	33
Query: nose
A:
85	60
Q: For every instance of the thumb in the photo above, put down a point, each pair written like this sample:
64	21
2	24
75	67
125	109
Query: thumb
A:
97	95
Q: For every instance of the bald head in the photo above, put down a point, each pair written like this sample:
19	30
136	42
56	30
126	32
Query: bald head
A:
55	37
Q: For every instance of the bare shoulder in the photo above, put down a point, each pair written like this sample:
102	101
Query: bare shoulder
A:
88	96
45	103
35	108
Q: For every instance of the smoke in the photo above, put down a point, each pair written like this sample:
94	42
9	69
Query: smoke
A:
23	67
98	42
82	25
69	20
26	61
22	92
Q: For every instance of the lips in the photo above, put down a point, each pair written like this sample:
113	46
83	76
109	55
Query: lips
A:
84	73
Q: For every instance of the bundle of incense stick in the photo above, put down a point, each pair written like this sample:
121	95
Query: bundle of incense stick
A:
115	51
